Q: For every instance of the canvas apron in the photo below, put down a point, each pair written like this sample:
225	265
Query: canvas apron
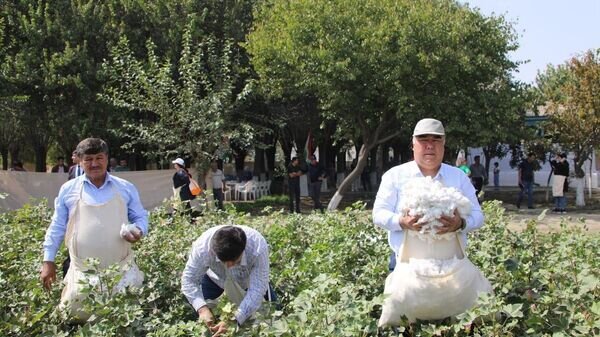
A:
558	185
419	293
235	293
93	231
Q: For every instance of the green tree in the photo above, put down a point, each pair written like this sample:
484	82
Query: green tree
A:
180	110
572	100
378	66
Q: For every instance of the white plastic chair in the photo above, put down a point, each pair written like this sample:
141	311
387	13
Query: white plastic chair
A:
226	193
239	187
248	191
261	189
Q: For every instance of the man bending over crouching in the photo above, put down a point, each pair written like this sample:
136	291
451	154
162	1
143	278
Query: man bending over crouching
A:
230	259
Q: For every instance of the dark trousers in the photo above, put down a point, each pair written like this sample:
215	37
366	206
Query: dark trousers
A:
392	264
315	194
66	264
218	194
294	191
527	187
211	290
187	207
478	184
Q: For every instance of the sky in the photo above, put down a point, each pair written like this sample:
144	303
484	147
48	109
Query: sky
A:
549	31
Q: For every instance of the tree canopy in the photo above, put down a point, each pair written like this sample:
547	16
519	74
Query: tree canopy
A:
569	93
377	66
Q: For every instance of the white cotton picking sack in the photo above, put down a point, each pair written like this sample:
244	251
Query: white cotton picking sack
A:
433	278
431	289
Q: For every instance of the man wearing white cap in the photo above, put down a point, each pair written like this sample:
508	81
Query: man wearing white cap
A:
428	143
181	182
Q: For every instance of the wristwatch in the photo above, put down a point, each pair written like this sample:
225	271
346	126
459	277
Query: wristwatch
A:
463	224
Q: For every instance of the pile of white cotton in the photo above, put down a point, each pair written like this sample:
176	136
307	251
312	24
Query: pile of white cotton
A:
429	199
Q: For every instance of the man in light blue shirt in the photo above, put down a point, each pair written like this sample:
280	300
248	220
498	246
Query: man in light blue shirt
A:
428	148
95	188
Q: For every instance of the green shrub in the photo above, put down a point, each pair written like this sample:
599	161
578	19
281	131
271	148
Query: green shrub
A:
328	271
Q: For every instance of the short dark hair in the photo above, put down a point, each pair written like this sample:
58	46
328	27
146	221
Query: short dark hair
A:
91	146
563	155
531	154
294	158
477	157
228	243
60	158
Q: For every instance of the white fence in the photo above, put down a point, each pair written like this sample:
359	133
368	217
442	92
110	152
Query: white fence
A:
154	186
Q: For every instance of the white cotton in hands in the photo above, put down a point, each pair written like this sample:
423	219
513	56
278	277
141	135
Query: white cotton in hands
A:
429	199
130	228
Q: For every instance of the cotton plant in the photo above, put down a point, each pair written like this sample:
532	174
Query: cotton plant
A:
430	199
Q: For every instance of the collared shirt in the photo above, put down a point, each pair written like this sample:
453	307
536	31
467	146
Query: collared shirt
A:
67	199
386	212
477	171
217	178
251	273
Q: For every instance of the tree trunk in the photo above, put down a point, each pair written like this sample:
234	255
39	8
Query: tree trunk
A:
239	159
579	192
14	153
488	158
259	161
40	157
4	154
270	156
363	156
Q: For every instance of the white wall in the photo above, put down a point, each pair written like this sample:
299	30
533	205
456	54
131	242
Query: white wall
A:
509	176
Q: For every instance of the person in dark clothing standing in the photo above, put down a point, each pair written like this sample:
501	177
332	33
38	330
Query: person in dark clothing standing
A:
316	174
560	169
76	170
294	173
526	179
60	166
181	180
478	175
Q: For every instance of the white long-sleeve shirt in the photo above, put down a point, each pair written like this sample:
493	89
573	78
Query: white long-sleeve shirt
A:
251	273
386	210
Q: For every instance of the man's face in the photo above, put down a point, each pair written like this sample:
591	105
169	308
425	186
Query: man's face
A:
230	264
213	166
530	159
428	150
123	162
295	162
75	158
113	162
95	165
61	162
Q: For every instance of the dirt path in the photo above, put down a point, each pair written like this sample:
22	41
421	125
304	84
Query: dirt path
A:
551	222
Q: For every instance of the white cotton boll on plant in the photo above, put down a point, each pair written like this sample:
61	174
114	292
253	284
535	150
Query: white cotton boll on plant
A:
430	199
129	229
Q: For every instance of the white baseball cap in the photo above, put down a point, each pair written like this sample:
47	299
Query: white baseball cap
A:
429	126
179	161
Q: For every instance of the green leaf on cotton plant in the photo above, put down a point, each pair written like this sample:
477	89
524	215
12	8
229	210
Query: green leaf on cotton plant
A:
513	310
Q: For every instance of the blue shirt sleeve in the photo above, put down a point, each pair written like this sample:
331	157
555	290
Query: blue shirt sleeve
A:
58	226
135	211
